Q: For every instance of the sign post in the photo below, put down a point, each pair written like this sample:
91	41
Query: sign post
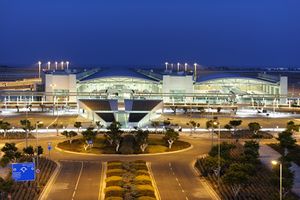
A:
49	148
23	171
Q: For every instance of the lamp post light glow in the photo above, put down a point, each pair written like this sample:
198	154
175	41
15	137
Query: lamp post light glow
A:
62	65
39	68
185	67
178	66
67	65
274	162
166	63
172	66
195	71
49	64
56	65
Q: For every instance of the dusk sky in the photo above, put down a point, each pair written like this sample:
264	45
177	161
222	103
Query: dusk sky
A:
150	32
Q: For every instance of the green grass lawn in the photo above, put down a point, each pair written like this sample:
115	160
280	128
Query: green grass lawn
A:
156	145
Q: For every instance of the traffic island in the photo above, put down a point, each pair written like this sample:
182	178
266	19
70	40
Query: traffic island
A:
156	144
129	180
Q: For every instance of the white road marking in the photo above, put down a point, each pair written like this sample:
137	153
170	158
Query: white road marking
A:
182	190
77	181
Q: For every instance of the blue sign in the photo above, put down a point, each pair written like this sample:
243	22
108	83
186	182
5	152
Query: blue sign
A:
23	171
90	141
49	146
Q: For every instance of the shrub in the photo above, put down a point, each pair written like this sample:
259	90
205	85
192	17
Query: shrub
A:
114	163
127	145
113	181
146	198
140	161
143	180
114	191
142	172
116	166
141	167
113	178
225	150
114	172
114	198
145	190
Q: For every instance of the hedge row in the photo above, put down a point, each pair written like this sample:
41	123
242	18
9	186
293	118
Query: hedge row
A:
128	180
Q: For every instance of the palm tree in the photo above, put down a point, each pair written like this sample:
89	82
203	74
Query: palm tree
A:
5	126
155	124
99	125
27	127
78	126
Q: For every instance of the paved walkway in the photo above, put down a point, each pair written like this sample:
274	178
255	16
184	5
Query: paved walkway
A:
267	154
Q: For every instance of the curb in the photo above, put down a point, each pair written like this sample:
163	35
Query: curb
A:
125	155
102	181
156	191
46	190
204	182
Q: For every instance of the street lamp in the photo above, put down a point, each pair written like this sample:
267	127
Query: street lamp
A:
274	162
53	85
67	65
56	65
185	67
39	68
166	63
178	66
62	65
195	71
219	150
49	64
38	123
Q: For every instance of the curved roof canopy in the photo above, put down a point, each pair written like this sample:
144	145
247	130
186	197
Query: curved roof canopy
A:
118	72
218	76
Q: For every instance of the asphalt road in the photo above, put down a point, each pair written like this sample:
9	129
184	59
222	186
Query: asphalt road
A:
79	177
77	180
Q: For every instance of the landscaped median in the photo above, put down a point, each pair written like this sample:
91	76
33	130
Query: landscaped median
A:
156	144
27	190
129	180
238	173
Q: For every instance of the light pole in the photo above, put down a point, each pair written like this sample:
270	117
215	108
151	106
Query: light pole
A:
56	65
178	66
49	64
52	85
39	68
185	67
195	71
219	150
274	162
67	65
38	123
166	63
62	65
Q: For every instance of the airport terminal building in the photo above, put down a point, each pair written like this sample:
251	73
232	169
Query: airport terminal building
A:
133	96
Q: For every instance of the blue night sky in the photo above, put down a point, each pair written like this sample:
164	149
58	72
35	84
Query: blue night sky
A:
150	32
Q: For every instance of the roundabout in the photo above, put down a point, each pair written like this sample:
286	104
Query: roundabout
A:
156	145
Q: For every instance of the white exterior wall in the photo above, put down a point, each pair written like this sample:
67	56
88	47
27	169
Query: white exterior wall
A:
283	85
177	83
283	89
60	82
